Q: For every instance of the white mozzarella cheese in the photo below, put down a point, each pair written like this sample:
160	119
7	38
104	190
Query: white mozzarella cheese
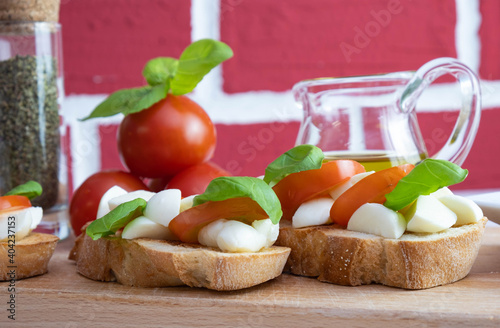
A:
115	201
237	236
428	214
163	206
187	202
208	234
20	223
267	229
466	210
112	192
36	216
445	191
313	212
142	227
378	220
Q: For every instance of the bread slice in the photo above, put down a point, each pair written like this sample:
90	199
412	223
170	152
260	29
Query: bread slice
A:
148	262
415	261
30	256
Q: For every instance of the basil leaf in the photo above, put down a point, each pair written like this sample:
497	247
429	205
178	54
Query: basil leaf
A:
116	219
424	179
163	74
30	189
160	70
223	188
128	101
196	61
300	158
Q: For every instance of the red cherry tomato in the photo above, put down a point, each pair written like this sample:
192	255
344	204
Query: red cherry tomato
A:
188	223
158	184
371	189
13	203
166	138
195	179
299	187
85	200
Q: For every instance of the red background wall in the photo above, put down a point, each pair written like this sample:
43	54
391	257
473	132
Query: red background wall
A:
276	44
107	42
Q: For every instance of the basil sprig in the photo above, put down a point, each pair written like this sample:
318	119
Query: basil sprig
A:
160	70
116	219
424	179
299	158
30	189
223	188
196	61
165	74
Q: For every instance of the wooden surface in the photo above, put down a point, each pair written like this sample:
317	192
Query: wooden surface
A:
63	298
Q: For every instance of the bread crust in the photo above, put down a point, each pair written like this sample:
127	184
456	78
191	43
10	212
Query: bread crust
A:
145	262
414	261
31	256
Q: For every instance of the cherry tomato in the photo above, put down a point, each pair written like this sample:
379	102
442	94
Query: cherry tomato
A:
85	200
371	189
299	187
195	179
166	138
188	223
13	203
158	184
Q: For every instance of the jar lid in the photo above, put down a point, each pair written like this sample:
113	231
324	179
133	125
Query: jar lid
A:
29	10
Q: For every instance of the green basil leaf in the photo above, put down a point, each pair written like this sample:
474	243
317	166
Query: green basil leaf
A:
299	158
223	188
128	101
116	219
30	189
424	179
196	61
160	70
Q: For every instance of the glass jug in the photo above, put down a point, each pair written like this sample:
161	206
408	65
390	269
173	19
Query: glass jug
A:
372	119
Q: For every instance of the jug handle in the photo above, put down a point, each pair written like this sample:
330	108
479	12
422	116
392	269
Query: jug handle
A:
461	139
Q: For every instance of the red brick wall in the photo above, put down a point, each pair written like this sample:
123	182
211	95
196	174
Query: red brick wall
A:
490	49
107	42
276	44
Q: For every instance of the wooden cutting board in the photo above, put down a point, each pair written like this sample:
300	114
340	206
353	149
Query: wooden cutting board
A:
63	298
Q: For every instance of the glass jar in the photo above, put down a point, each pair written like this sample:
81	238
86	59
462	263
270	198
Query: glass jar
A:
31	127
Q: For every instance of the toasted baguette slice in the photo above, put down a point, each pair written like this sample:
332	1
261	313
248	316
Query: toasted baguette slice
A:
148	262
414	261
30	256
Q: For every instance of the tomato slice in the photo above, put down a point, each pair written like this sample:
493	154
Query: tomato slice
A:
13	203
299	187
188	223
371	189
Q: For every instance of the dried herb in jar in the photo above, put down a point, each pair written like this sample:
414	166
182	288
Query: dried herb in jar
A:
29	125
